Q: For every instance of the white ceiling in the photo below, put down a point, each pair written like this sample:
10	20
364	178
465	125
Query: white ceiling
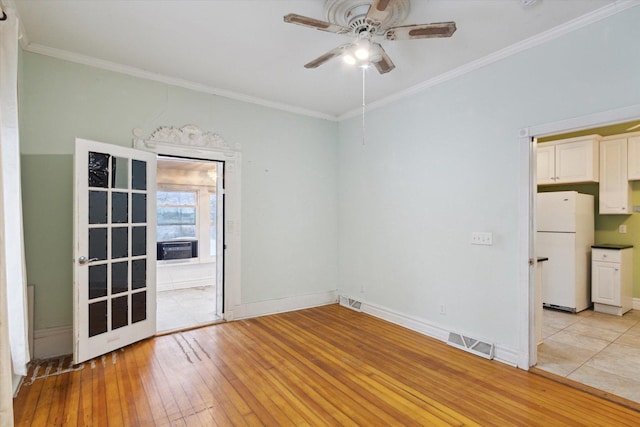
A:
243	49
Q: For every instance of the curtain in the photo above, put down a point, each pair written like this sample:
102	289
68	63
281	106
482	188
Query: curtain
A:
6	373
12	266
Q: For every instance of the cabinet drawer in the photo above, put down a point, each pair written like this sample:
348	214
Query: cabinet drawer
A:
606	255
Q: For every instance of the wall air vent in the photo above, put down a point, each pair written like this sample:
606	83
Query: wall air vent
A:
477	347
350	303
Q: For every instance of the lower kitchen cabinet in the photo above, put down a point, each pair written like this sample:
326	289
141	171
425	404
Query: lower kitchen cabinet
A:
612	278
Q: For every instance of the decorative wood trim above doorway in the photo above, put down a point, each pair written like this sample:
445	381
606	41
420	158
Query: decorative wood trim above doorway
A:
186	136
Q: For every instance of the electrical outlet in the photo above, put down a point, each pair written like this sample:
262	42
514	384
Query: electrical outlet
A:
443	309
482	238
622	228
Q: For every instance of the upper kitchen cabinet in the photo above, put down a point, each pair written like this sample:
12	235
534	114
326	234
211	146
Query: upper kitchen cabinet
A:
615	191
568	160
633	161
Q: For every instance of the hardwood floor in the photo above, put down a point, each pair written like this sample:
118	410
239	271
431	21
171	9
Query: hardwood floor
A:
322	366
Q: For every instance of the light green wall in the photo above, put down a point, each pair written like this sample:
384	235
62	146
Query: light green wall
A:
606	226
448	161
47	188
289	168
435	167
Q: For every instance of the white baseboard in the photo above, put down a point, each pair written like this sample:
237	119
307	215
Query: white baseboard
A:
52	342
297	302
409	322
162	287
16	380
636	303
508	356
503	354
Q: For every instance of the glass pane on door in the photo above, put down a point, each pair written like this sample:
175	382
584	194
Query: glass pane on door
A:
97	318
116	200
99	170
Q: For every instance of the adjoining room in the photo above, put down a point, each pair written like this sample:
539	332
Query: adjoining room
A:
190	213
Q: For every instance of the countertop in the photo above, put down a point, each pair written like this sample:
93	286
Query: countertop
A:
611	246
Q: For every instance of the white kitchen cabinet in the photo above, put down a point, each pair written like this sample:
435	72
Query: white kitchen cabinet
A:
633	149
615	190
612	278
568	160
546	163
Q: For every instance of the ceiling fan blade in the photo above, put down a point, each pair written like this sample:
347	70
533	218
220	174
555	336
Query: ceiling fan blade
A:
379	10
327	56
305	21
424	31
383	64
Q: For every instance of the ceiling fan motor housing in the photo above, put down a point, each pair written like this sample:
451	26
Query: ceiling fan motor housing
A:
352	14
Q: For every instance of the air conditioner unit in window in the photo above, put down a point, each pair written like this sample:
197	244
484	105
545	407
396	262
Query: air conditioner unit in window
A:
177	249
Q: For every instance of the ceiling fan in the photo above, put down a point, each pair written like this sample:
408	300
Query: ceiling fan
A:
366	20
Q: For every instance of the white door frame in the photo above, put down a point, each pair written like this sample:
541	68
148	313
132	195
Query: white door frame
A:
192	142
220	239
526	223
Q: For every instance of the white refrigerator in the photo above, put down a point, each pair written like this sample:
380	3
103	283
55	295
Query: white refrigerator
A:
565	233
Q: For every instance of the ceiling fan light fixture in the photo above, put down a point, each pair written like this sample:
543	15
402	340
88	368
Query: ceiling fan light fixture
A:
366	19
349	59
362	53
359	53
362	49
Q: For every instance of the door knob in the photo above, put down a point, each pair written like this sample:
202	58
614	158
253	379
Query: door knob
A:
84	260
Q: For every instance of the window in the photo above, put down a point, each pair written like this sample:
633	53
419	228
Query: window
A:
176	215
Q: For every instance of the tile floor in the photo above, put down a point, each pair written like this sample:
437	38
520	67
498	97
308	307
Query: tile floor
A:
596	349
185	308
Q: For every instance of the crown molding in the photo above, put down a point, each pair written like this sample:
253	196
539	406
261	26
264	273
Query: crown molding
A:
568	27
186	84
553	33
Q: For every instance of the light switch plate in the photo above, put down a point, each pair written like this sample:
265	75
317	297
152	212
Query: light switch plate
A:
482	238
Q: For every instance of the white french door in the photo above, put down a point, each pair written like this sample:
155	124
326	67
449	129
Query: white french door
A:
114	254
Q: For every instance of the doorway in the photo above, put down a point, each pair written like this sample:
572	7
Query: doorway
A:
190	214
589	347
191	142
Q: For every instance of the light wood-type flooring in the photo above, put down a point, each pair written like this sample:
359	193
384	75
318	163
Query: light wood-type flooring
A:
321	366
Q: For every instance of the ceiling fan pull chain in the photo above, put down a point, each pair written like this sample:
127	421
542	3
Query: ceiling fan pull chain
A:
364	69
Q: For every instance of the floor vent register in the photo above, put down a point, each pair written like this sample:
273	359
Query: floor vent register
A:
477	347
